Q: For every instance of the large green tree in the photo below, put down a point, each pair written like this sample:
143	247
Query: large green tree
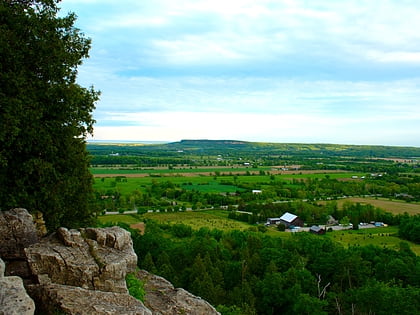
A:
45	115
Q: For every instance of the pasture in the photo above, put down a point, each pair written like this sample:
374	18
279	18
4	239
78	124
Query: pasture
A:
386	237
194	179
198	220
211	219
393	206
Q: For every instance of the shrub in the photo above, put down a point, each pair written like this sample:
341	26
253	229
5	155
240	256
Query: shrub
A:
135	286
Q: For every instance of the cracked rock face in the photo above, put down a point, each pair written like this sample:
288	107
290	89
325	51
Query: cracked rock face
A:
93	258
17	231
76	300
163	299
13	296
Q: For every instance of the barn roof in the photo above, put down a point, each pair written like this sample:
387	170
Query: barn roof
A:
315	228
288	217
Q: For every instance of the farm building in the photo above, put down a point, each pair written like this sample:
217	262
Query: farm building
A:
315	229
271	221
331	220
289	219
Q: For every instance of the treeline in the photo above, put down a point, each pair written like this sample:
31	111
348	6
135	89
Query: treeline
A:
409	228
252	273
232	147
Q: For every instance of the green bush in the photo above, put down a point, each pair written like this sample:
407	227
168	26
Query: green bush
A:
135	286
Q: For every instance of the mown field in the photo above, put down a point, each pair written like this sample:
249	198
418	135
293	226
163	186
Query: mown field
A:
386	237
211	219
393	206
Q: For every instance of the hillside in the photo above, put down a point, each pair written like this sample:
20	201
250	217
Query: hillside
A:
221	146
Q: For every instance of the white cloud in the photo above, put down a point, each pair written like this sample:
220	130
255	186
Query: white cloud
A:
171	126
276	69
395	56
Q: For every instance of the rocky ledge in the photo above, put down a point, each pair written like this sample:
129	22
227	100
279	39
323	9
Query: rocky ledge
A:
79	272
163	299
94	259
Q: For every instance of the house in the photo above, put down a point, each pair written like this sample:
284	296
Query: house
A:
289	219
256	191
315	229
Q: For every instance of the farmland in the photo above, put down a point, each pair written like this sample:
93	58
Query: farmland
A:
132	179
199	209
261	180
393	206
384	237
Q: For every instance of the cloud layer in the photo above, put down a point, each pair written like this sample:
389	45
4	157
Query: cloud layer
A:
283	71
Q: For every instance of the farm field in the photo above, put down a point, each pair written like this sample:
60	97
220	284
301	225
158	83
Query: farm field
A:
186	171
393	206
199	183
198	220
385	237
221	170
211	219
126	183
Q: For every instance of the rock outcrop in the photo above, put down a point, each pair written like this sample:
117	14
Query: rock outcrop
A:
163	299
55	298
95	259
13	297
79	272
17	231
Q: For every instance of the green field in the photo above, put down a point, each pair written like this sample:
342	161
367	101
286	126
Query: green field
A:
160	170
393	206
197	182
119	218
385	237
211	219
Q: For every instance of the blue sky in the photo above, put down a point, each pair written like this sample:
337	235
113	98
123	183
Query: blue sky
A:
273	71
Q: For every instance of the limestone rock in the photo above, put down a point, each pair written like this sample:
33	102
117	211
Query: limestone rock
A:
13	297
17	231
163	299
2	268
96	259
40	226
56	299
18	268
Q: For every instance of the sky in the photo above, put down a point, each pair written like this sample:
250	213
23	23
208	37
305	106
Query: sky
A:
319	71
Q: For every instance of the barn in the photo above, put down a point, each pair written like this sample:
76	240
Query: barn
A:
289	219
315	229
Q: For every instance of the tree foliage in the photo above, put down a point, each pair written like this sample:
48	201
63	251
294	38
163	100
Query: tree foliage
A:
410	228
45	115
245	272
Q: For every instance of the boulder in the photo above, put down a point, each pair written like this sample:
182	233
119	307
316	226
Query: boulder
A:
163	299
57	299
17	231
94	258
13	297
